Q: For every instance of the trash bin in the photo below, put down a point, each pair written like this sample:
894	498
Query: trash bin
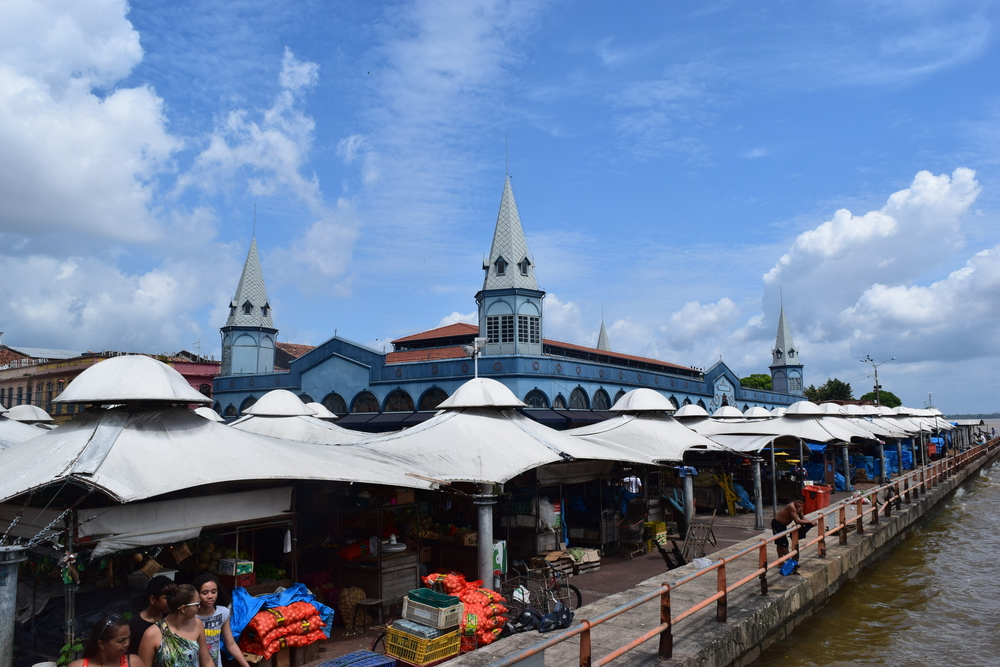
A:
815	498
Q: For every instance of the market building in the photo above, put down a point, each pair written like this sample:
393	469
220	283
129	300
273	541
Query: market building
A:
564	384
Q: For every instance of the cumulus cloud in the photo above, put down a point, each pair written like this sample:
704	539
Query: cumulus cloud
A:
72	160
696	321
828	267
358	148
456	317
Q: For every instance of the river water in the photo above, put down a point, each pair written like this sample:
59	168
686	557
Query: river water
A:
935	600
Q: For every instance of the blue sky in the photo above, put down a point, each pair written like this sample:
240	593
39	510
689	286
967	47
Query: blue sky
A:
674	164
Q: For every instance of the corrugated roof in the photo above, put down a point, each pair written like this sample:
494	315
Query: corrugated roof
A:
428	354
608	353
449	331
46	353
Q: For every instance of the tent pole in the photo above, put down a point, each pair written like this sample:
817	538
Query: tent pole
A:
899	454
802	464
847	468
485	500
10	557
881	463
758	522
774	480
688	500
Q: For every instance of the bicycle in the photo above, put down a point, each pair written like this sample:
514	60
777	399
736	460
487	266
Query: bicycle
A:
540	588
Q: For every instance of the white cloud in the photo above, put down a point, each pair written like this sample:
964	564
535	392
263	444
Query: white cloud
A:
295	74
695	322
456	317
357	147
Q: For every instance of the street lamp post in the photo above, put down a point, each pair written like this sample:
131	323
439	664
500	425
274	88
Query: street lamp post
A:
868	360
477	345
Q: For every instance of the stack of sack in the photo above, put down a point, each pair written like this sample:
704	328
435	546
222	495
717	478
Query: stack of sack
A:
270	630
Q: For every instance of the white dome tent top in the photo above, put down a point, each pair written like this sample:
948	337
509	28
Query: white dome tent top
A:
853	410
803	408
833	409
279	403
727	412
757	412
870	410
482	393
778	412
643	400
128	379
28	414
2	409
320	410
690	411
209	414
886	412
903	411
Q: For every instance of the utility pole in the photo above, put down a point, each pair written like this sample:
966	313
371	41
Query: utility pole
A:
868	360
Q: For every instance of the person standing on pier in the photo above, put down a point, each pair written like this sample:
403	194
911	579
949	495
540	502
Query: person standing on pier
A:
790	513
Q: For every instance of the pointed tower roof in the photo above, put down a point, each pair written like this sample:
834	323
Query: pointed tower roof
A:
251	290
783	343
516	269
602	339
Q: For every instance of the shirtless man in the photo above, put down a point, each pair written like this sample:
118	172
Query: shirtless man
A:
792	512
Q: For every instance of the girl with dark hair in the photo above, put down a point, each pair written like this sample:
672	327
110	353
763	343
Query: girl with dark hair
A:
178	640
108	645
216	619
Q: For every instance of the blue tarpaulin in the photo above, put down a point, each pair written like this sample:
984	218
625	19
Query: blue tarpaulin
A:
816	447
245	606
744	498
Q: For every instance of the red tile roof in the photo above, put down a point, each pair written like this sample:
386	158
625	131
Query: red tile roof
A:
294	349
449	331
428	354
613	355
7	356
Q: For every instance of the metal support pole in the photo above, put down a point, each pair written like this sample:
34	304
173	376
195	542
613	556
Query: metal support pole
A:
774	481
899	455
688	500
758	491
802	464
10	557
847	468
884	477
485	502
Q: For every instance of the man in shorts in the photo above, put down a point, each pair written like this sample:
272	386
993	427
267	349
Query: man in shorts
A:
790	513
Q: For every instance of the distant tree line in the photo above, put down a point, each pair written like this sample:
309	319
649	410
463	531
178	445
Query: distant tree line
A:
831	390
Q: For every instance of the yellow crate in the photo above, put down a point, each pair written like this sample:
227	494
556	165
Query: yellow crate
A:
417	651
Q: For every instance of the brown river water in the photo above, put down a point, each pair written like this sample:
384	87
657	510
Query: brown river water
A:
934	601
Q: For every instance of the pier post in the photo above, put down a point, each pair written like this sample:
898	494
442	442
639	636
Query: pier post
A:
758	505
847	468
884	476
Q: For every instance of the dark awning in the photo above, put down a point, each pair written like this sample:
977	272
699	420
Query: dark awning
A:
547	417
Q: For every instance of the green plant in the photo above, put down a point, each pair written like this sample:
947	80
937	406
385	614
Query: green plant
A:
68	652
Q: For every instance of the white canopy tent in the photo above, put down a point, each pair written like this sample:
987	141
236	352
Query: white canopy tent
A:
282	414
13	432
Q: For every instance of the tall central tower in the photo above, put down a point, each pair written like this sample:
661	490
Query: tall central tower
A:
249	335
510	303
786	366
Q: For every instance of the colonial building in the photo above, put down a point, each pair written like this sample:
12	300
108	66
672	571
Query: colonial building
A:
563	383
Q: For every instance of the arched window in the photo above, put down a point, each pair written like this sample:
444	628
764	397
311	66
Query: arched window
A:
205	389
365	402
398	401
501	264
432	398
306	398
218	409
230	411
524	264
536	399
20	395
702	404
559	403
687	401
247	308
621	392
335	403
247	404
673	400
578	400
3	396
745	407
27	395
601	400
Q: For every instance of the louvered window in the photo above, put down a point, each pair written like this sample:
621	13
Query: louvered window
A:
529	329
500	328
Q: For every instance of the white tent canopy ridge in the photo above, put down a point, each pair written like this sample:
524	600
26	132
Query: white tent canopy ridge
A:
129	379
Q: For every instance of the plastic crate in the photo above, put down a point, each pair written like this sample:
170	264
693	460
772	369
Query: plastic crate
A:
360	659
417	651
432	598
448	617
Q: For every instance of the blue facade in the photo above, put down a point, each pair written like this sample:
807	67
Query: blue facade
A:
351	379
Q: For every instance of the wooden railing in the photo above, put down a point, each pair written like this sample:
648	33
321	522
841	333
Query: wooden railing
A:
903	490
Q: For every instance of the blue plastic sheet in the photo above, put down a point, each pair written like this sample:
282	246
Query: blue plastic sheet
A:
838	481
245	606
815	471
744	498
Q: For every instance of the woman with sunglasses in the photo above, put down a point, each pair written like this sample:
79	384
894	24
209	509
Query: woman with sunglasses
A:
178	640
108	645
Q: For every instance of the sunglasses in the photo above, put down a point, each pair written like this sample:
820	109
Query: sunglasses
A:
192	604
110	622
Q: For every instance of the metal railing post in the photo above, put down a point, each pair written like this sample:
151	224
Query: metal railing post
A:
667	636
585	654
722	608
906	490
860	511
762	564
899	498
821	545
